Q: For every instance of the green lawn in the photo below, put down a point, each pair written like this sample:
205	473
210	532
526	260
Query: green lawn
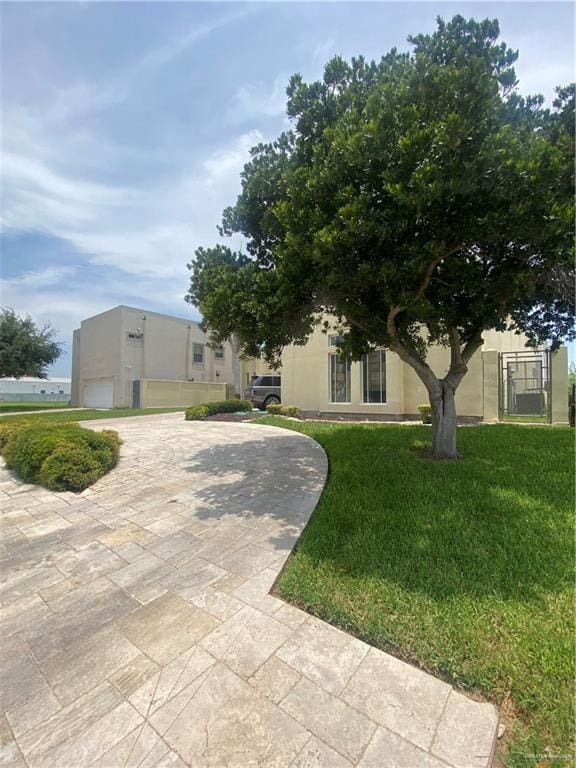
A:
464	568
88	415
6	407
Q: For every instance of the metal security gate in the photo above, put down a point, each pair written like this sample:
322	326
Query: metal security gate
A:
525	386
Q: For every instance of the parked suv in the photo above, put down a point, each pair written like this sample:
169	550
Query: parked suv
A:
263	390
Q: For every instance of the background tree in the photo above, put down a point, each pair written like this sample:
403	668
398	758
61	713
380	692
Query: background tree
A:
25	349
420	200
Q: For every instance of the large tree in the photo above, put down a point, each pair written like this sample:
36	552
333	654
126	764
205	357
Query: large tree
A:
419	199
25	349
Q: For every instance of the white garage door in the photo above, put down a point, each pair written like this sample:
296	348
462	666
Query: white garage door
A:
99	394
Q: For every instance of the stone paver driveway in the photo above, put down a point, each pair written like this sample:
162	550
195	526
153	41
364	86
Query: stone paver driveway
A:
138	628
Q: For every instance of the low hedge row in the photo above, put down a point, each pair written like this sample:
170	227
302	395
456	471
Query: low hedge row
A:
59	456
197	412
277	409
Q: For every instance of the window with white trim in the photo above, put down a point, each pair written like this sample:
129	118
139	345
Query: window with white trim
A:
198	353
374	377
339	379
333	341
219	353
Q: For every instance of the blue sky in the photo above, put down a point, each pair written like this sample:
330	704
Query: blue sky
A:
125	127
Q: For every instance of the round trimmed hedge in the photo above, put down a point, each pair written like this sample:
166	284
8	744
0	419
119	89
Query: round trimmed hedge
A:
60	456
70	467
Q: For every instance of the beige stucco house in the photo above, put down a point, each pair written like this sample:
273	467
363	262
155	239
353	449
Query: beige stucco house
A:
113	351
129	357
382	386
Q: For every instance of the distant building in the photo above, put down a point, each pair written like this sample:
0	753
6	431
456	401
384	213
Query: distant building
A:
35	390
116	350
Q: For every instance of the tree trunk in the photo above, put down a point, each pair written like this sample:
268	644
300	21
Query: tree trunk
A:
441	392
444	422
235	344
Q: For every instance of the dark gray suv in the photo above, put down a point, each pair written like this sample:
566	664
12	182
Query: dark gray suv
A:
263	390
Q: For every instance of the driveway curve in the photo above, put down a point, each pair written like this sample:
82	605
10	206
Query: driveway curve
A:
138	628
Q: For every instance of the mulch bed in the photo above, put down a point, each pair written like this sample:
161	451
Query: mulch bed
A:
234	416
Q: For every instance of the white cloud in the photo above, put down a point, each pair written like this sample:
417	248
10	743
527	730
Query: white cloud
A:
253	101
36	197
81	98
178	45
146	230
43	278
230	160
322	50
62	310
542	78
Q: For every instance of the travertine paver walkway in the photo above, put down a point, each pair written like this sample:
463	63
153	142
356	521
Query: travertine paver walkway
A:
138	628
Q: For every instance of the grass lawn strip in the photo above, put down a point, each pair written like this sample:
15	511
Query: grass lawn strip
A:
8	407
91	415
464	568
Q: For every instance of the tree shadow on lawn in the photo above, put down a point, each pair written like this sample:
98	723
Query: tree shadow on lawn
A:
498	523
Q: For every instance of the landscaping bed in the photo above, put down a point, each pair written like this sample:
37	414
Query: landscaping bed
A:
234	416
463	568
218	408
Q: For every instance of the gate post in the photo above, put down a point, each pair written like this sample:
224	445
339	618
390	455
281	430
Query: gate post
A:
490	385
559	386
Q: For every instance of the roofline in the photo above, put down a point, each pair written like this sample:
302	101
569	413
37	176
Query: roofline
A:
144	312
158	314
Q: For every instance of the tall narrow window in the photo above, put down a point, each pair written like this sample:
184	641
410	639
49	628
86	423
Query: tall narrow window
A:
198	353
339	380
219	353
374	377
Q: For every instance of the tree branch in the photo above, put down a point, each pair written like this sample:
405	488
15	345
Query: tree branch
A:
431	267
407	354
475	343
459	358
456	361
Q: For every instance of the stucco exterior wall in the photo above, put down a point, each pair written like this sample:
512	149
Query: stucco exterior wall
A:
155	393
75	384
100	352
559	405
306	382
106	352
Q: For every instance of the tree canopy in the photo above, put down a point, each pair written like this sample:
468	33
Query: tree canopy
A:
25	349
419	200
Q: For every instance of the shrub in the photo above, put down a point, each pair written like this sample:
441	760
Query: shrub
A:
7	429
30	445
70	467
425	413
196	412
276	409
